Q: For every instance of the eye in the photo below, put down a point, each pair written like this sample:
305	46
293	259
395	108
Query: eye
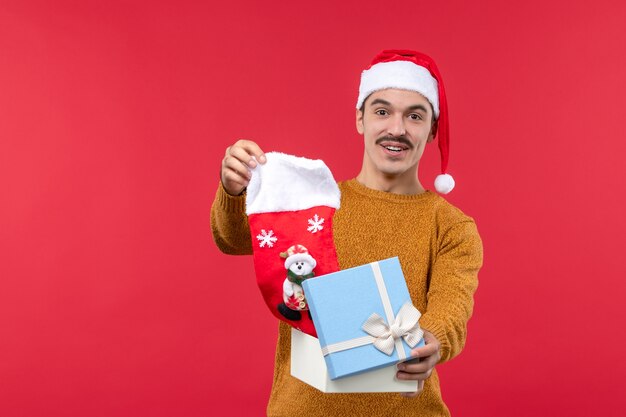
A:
415	116
382	112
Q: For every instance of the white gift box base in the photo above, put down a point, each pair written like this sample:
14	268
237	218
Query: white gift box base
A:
308	365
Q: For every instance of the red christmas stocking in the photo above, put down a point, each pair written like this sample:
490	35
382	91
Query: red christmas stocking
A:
290	204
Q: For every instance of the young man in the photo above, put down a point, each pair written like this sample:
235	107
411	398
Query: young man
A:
385	211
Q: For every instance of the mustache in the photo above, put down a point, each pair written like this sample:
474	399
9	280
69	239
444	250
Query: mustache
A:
400	139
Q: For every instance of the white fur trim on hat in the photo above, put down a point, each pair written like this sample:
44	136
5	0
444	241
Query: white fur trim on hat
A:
403	75
300	257
290	183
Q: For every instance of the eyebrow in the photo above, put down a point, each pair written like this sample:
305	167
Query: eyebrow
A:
418	107
380	101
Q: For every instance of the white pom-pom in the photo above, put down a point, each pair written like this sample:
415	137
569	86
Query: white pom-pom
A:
444	183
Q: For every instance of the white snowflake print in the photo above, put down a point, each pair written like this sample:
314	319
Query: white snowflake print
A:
315	224
266	238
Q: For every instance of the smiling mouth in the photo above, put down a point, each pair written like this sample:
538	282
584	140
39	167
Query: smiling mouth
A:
394	148
395	145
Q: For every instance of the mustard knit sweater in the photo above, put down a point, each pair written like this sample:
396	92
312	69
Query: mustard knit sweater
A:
440	252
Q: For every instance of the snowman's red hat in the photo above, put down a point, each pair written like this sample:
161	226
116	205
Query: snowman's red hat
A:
297	253
413	71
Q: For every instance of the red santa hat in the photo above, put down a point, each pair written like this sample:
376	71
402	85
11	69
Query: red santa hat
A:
413	71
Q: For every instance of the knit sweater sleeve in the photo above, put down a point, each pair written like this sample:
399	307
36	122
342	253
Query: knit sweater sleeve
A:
453	281
229	223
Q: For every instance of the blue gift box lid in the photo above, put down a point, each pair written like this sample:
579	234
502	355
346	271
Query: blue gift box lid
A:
341	302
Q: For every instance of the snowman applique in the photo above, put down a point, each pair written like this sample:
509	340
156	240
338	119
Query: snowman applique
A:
299	265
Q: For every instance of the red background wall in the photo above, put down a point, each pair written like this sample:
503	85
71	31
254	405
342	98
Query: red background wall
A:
114	117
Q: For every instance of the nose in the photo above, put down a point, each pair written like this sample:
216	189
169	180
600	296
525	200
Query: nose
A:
396	126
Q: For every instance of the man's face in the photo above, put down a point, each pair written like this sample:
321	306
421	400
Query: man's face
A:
396	125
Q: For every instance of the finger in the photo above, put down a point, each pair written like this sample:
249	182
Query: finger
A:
422	369
430	338
422	357
232	181
235	176
242	155
425	351
233	185
247	149
418	367
235	166
407	376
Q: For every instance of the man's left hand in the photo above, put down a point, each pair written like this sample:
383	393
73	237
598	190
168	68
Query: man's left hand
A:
420	368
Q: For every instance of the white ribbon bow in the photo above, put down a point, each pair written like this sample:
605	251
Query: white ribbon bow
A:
405	326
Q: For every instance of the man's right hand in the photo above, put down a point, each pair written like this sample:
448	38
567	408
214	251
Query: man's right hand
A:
237	163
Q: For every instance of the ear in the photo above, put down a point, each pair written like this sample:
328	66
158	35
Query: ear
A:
433	131
359	121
